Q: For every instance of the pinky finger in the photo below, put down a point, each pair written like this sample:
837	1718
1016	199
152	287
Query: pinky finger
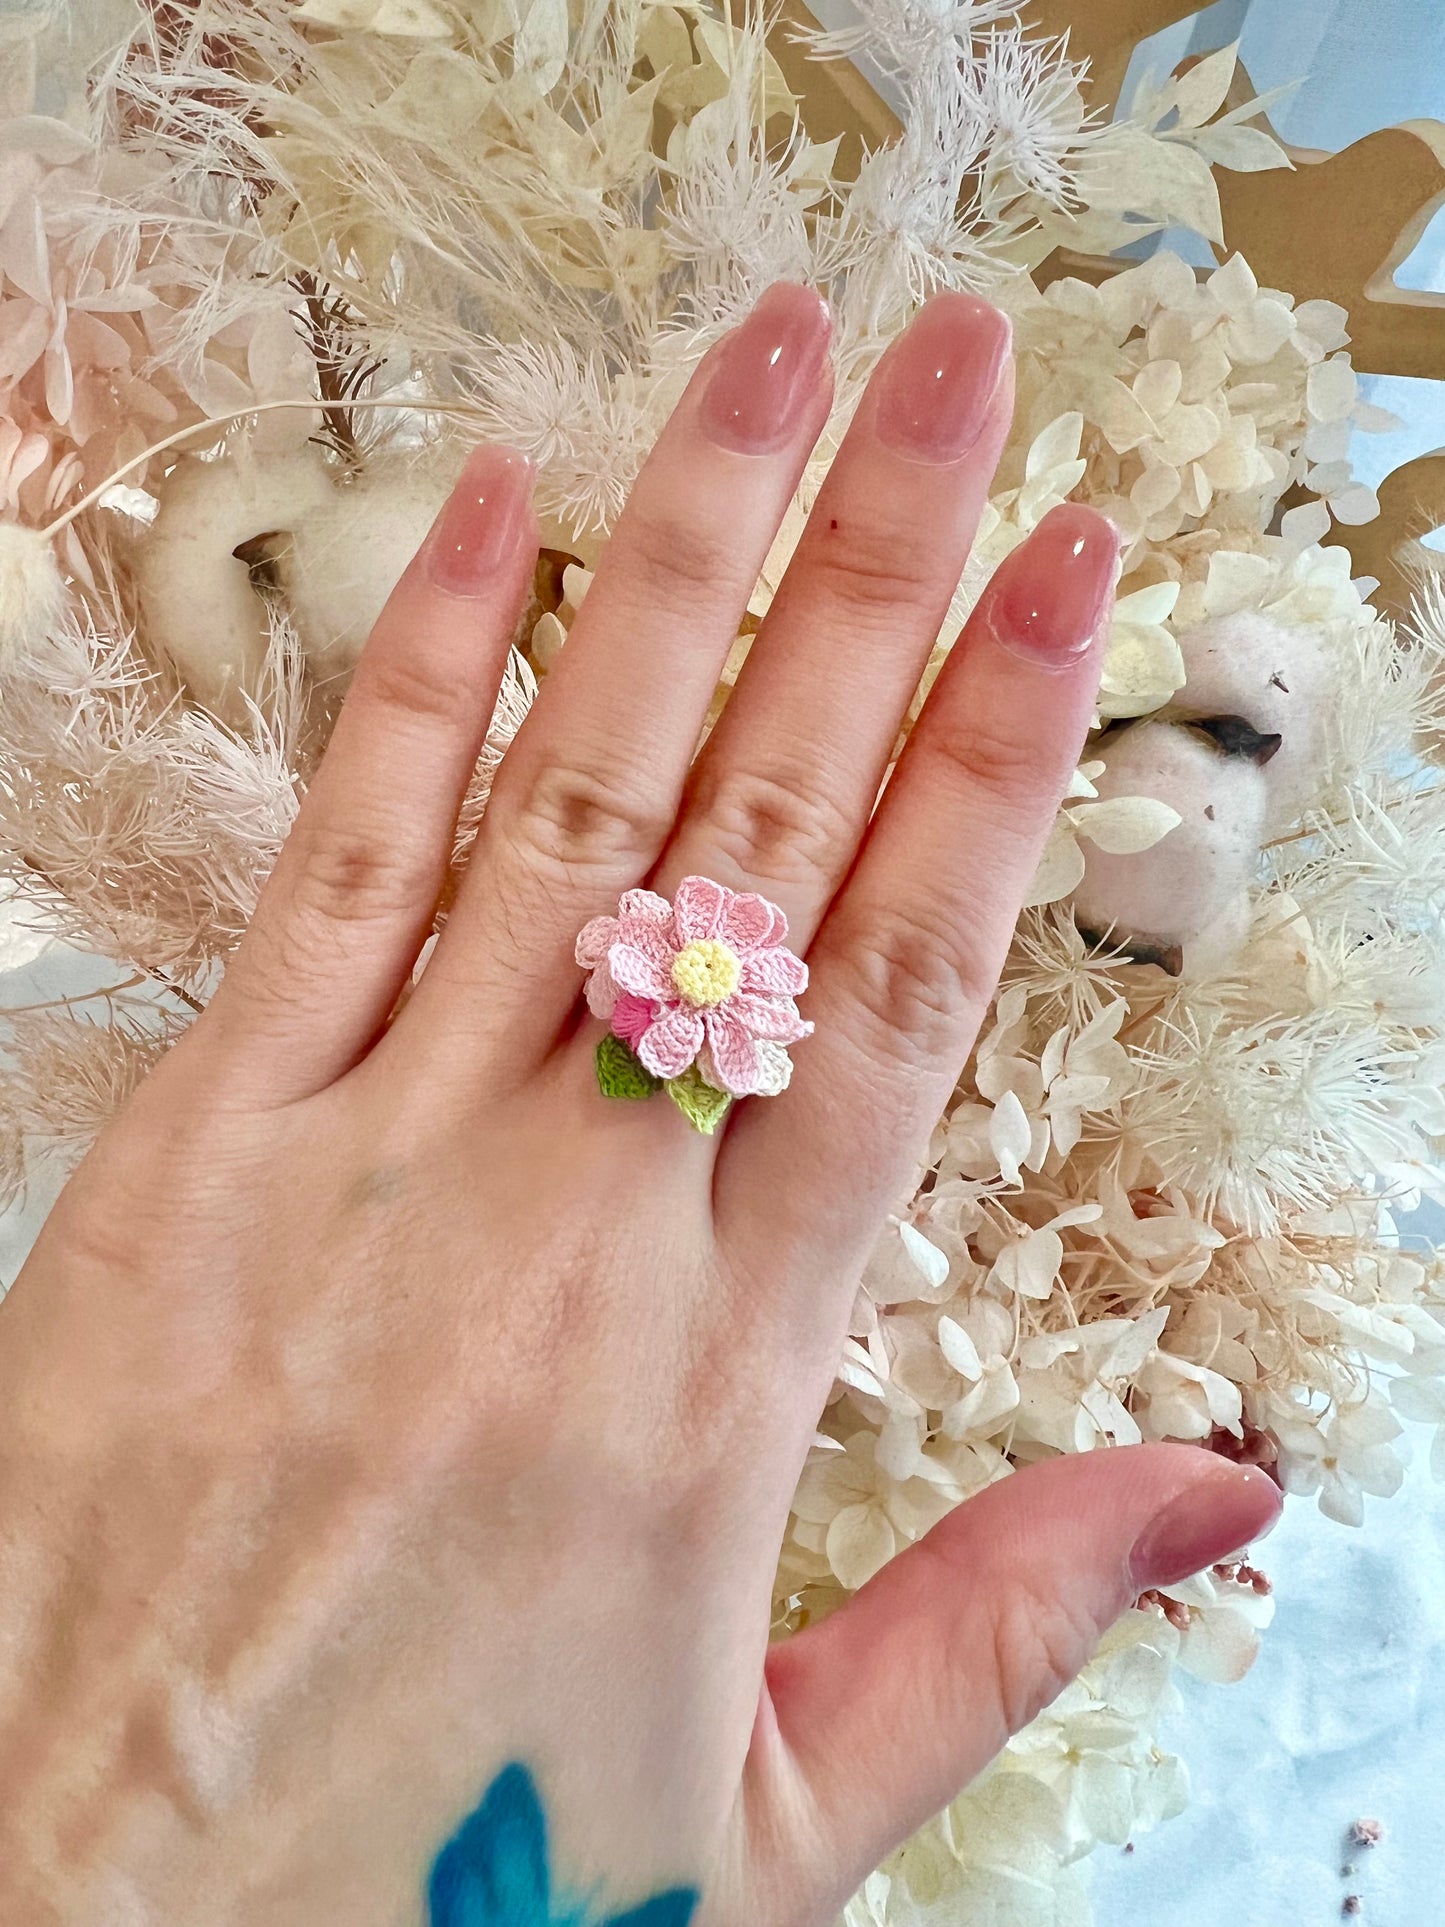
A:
351	899
909	956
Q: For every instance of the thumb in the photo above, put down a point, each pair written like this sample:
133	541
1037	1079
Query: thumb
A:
880	1716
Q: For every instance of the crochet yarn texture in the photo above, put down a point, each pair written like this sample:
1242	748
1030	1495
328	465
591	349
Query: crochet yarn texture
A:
699	994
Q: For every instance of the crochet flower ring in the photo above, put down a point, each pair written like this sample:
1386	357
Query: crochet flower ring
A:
699	994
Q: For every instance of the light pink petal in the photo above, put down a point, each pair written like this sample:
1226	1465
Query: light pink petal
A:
642	913
635	970
775	970
594	940
631	1017
751	921
658	941
775	1018
601	992
669	1046
734	1054
698	908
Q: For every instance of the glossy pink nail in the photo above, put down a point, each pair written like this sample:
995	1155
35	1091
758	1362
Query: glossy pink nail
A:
766	372
935	384
1052	595
485	516
1220	1513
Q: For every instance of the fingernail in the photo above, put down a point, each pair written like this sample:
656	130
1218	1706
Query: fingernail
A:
1051	596
936	382
767	371
481	521
1220	1513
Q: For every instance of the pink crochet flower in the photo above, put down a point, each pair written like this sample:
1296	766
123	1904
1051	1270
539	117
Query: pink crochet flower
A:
704	978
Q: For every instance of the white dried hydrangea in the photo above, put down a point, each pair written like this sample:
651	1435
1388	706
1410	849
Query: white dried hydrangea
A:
1201	398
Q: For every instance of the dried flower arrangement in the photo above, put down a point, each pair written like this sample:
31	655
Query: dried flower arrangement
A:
1160	1203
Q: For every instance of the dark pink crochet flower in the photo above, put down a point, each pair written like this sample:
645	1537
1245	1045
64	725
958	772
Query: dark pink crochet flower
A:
705	980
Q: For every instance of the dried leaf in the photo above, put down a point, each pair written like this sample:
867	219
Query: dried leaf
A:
1200	93
540	44
1244	150
401	19
1181	190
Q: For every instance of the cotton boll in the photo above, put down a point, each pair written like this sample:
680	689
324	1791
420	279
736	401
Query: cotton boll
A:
32	594
1213	951
198	605
344	557
1280	680
1182	902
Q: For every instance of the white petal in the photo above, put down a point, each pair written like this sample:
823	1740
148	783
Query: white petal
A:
1330	389
1306	524
1030	1265
1061	867
1220	1646
1010	1136
1124	825
860	1542
924	1255
959	1349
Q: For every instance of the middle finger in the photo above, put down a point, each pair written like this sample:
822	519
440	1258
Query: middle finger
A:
588	792
781	794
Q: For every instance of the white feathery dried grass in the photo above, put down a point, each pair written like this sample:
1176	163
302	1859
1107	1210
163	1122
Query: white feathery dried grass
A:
587	430
514	699
144	826
1424	665
1258	1121
67	1076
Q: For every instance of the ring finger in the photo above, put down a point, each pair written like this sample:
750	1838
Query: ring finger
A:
781	794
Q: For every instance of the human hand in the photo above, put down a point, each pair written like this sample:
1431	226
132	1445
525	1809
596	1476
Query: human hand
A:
384	1407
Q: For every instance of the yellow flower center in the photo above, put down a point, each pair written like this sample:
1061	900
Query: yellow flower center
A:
706	972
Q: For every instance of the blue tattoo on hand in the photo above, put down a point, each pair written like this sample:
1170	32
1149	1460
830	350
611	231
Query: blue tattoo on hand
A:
494	1871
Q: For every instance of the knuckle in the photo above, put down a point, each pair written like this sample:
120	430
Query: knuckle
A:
787	827
413	682
346	875
101	1231
872	567
997	764
906	978
673	558
572	815
1037	1645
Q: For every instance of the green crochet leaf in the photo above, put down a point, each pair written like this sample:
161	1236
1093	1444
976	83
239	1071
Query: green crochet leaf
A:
702	1106
620	1073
